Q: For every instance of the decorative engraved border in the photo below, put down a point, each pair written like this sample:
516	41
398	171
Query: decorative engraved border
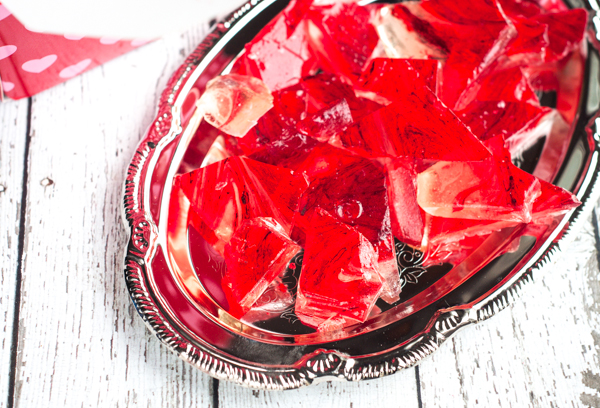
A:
322	364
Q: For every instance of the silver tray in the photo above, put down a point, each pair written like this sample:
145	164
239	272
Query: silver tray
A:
169	292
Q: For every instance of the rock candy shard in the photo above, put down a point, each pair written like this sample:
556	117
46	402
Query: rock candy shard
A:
389	77
257	253
216	152
234	103
407	218
227	193
387	266
342	38
489	190
417	126
280	54
401	39
352	190
276	299
521	124
493	189
339	273
326	123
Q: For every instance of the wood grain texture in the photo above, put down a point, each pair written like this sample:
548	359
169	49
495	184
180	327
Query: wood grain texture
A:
398	390
81	342
542	352
13	128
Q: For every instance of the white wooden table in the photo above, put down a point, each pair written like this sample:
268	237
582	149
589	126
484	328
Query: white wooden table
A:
70	336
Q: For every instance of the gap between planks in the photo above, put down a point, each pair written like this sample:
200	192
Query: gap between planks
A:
20	253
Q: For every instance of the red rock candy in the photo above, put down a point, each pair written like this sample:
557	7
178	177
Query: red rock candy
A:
226	193
256	254
492	189
340	281
233	103
417	126
324	124
279	55
342	37
389	77
352	189
407	218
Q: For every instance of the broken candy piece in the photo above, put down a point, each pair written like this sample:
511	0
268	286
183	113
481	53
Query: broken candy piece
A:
552	201
509	85
493	189
279	55
234	103
327	122
256	254
339	273
387	266
274	301
352	189
342	37
565	31
388	77
418	126
226	193
407	218
521	124
471	47
405	36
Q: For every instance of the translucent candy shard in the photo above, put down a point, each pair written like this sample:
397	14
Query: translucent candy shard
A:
256	254
326	123
352	189
342	37
280	55
234	103
407	218
417	126
342	281
389	77
227	193
493	189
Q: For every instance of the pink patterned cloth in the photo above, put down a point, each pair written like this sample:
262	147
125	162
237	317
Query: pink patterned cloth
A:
32	62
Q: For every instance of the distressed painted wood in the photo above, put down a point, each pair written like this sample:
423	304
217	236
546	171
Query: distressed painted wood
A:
81	342
542	352
13	133
399	390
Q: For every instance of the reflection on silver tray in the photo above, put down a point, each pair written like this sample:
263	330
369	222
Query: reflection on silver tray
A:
175	294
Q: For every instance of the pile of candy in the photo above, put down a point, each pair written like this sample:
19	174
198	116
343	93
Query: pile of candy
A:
345	126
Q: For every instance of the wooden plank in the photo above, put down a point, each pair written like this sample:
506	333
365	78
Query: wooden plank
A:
81	342
398	390
542	352
13	125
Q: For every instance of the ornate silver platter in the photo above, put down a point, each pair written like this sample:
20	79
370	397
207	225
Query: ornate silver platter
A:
176	291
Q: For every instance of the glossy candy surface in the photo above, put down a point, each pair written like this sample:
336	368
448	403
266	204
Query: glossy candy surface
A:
388	122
